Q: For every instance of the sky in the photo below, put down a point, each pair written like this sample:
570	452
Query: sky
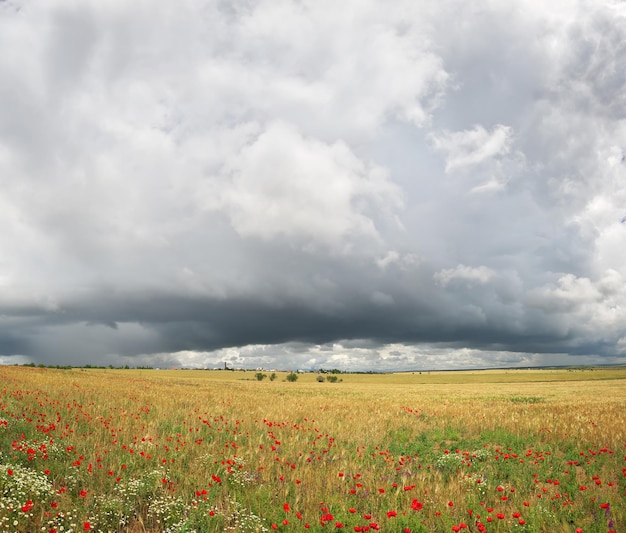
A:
300	184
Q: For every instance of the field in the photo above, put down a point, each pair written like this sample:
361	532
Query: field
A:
183	451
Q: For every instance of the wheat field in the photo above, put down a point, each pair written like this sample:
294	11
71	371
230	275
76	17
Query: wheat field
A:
181	451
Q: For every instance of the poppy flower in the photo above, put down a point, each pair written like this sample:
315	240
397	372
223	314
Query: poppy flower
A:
27	506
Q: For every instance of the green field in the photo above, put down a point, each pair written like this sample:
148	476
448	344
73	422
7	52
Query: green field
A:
182	451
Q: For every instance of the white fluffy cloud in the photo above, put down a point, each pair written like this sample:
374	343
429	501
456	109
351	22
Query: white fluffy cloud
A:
469	275
467	148
312	194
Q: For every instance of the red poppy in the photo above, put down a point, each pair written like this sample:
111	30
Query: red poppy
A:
417	505
27	506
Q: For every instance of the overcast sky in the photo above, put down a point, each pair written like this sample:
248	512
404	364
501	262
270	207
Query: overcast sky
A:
304	184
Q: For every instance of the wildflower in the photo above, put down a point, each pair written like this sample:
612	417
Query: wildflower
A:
27	506
86	526
286	507
417	505
391	514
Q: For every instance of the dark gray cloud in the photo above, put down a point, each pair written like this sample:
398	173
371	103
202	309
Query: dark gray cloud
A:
290	185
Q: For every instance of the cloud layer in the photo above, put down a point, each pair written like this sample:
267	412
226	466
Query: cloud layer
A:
305	184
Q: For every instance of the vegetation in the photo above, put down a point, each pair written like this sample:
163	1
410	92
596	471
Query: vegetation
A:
170	451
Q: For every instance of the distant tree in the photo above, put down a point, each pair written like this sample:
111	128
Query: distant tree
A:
321	379
260	376
332	379
272	376
292	376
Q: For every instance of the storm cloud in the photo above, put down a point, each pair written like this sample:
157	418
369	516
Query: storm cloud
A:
288	184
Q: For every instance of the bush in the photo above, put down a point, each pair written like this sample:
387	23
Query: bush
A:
260	376
321	379
292	376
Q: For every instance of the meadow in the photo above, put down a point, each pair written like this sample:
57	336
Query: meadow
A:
149	451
